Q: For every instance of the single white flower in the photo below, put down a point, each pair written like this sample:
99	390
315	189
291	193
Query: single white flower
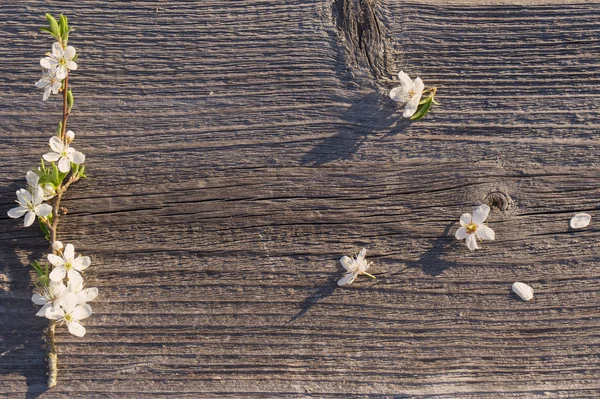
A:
67	264
354	267
580	220
64	154
30	205
50	83
472	227
70	312
49	297
33	180
408	93
84	295
60	62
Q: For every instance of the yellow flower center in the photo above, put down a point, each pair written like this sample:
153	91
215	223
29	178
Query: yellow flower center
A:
471	228
68	318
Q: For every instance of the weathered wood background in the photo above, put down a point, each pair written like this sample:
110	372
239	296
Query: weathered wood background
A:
237	149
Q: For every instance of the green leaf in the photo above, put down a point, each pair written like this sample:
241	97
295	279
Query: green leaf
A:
55	176
44	29
53	25
74	168
59	129
81	170
435	102
64	25
422	110
65	37
69	100
76	56
423	101
44	229
37	267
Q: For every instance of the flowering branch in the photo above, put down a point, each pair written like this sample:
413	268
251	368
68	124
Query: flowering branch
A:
59	285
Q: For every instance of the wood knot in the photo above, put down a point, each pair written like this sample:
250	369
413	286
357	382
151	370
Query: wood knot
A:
500	200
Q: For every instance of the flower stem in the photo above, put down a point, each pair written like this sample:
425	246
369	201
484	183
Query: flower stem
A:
65	109
52	355
370	275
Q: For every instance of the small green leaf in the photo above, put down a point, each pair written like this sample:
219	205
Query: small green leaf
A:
59	129
37	267
64	25
435	102
65	37
53	25
44	229
69	100
44	29
422	110
74	168
55	176
81	170
423	101
76	56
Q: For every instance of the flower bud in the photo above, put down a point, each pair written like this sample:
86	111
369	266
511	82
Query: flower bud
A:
57	246
70	136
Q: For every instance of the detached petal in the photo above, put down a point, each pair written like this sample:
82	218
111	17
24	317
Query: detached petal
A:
485	233
347	279
480	214
472	242
461	233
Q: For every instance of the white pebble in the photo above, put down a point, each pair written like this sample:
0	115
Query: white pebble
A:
523	290
580	220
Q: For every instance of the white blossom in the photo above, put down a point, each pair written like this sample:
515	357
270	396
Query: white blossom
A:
409	92
84	295
50	83
64	154
472	227
580	220
30	205
523	290
67	265
49	296
33	180
60	61
354	267
71	312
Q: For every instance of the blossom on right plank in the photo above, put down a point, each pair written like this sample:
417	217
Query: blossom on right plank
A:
409	93
472	227
354	267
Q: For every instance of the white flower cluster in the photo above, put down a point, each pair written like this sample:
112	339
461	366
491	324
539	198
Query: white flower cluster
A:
57	65
66	303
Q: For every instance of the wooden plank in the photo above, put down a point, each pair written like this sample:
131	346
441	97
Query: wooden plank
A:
236	150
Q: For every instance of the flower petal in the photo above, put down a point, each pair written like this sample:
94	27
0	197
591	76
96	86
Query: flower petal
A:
38	195
38	299
88	295
51	156
58	273
69	253
580	220
411	107
24	196
69	53
32	178
347	279
29	219
485	233
56	144
56	87
75	156
71	65
56	261
418	86
43	210
46	93
42	83
57	50
82	312
480	214
349	263
405	81
461	233
82	263
48	62
64	165
465	219
76	329
69	302
16	212
472	242
55	313
398	94
43	310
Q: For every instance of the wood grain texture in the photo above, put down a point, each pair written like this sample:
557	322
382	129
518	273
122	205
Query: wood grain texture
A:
236	150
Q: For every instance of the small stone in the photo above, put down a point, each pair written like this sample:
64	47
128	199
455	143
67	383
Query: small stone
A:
523	290
580	221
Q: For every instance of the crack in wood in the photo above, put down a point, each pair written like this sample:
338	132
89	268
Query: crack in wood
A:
359	24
